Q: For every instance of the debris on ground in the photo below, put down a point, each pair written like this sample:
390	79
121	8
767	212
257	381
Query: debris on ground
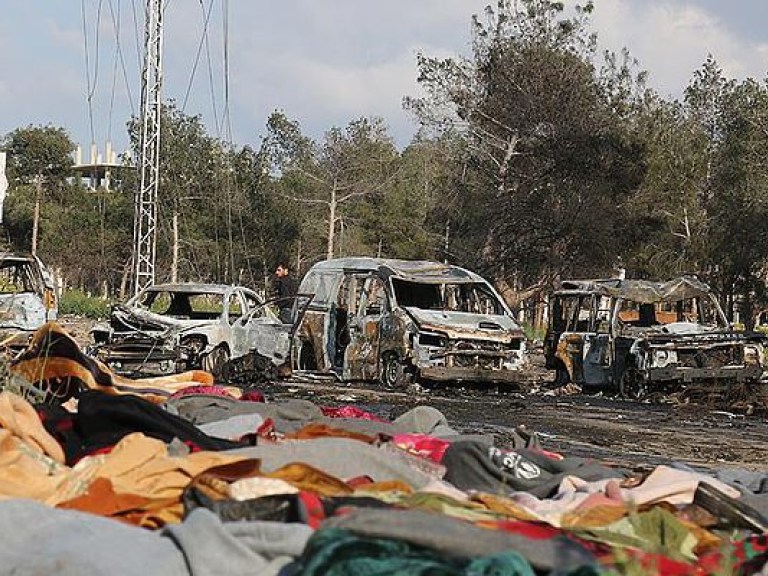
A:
179	475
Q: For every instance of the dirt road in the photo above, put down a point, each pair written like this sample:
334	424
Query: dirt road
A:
613	430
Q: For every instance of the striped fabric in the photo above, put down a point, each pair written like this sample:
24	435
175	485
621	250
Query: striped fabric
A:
54	362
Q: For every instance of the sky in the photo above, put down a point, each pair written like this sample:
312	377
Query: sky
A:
324	63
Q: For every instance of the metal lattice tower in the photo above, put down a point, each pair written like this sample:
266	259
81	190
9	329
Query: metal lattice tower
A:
145	223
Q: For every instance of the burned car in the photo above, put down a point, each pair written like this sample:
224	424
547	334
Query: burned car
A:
639	337
169	328
27	299
398	320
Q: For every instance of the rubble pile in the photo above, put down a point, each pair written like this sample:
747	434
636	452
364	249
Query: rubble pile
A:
176	475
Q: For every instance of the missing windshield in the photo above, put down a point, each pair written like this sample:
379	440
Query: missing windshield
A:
471	297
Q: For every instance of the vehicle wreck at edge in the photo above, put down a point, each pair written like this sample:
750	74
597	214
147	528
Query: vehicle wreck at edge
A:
639	337
227	330
27	299
397	321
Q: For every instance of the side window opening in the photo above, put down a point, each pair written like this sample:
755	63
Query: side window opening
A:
424	296
574	313
603	315
584	316
373	298
179	306
16	277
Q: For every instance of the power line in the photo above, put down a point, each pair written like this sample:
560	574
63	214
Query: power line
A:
227	119
90	86
136	32
211	84
119	59
206	19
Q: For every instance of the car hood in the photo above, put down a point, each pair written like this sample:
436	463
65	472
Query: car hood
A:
465	324
24	311
136	319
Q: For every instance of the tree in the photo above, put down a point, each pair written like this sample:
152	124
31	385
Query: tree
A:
665	220
549	156
40	157
737	198
211	214
409	219
350	165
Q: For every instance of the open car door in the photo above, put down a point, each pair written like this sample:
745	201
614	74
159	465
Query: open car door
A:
262	339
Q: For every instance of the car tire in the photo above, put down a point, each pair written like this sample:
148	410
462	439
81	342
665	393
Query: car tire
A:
562	377
632	385
393	373
217	363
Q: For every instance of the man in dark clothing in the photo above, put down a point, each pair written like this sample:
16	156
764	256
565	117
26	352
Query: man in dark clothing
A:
284	287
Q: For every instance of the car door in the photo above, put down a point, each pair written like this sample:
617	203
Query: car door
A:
573	337
262	332
597	350
367	305
235	309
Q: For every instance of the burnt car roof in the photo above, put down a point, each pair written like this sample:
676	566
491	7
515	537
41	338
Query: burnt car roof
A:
414	270
642	291
194	288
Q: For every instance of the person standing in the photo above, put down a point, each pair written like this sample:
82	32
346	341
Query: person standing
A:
284	288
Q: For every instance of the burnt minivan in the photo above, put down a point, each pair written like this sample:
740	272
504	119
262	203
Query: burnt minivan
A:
640	337
397	321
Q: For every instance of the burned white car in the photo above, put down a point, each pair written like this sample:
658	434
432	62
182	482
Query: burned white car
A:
398	320
640	337
169	328
27	299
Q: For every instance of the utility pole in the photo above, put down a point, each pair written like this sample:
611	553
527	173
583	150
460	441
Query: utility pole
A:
36	217
145	223
175	249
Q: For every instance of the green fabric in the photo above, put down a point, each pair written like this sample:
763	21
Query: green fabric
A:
656	530
446	505
335	552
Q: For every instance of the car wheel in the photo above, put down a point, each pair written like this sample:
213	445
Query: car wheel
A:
393	373
217	363
632	385
562	377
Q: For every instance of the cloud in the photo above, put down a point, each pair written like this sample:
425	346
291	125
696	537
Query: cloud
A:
672	39
324	63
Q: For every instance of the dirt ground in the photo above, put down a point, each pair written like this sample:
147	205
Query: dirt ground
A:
625	433
614	431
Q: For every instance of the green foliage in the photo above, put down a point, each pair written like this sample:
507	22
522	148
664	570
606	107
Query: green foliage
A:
534	332
42	152
79	303
549	161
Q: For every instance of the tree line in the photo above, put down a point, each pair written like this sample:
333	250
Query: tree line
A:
538	157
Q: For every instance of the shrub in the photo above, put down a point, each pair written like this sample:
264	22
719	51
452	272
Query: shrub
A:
78	303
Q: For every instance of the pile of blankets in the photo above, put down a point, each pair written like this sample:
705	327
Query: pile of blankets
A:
179	476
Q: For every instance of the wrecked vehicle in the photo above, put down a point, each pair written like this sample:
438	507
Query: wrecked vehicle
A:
396	321
169	328
27	299
639	337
